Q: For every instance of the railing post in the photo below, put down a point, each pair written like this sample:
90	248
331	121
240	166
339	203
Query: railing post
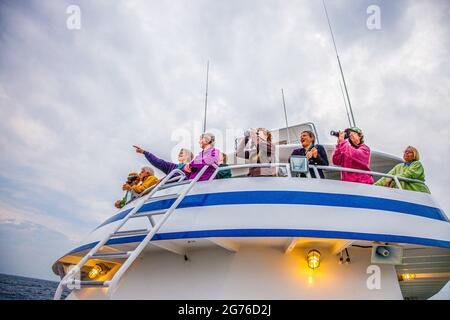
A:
316	172
216	171
397	182
288	170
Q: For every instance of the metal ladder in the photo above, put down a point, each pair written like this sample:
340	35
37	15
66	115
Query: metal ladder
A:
130	256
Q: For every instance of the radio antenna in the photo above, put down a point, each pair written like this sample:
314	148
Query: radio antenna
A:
206	97
285	116
340	66
345	103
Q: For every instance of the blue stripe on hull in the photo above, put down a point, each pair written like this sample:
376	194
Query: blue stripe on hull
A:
293	198
275	233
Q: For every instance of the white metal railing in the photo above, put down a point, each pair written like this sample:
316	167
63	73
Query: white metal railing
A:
154	230
254	165
68	279
396	179
316	169
174	181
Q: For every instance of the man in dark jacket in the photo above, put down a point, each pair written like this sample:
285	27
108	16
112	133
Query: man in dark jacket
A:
315	153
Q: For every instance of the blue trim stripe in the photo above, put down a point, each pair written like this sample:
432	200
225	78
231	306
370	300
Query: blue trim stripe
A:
292	197
275	233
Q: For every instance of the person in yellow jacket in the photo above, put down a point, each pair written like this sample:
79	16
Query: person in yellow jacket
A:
148	179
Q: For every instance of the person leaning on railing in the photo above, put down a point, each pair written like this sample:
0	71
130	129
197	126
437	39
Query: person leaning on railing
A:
263	151
412	168
209	156
184	157
148	179
354	154
315	153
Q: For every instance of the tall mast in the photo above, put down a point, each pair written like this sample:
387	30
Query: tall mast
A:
285	116
206	97
340	66
345	103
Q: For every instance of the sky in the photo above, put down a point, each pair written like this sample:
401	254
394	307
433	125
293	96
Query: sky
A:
73	101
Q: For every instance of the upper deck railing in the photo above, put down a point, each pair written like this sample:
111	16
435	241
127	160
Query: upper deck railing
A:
286	172
316	169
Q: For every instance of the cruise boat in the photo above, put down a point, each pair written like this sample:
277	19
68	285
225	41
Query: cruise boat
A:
277	237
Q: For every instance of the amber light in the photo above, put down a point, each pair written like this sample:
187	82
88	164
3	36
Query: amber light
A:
313	259
95	272
408	276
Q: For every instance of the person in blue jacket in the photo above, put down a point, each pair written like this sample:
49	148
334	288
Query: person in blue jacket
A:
315	153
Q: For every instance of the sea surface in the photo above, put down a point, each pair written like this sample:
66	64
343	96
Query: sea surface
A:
22	288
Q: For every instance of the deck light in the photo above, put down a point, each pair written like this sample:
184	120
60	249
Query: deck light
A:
408	276
95	271
313	259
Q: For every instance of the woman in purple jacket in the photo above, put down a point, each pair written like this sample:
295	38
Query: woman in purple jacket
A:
184	157
208	156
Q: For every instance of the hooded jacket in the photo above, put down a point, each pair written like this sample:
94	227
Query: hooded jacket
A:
348	156
205	157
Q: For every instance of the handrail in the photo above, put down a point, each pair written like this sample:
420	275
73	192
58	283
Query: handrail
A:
175	179
254	165
137	251
67	279
374	173
396	179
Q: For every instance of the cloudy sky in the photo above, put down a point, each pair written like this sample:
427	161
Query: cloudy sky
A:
73	101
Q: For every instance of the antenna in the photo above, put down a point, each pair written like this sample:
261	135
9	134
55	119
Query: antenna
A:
339	62
345	103
206	97
285	116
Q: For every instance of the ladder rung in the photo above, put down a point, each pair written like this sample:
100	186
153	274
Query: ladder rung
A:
130	233
150	213
112	255
93	284
165	197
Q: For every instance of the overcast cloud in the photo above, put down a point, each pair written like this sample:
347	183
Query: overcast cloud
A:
72	102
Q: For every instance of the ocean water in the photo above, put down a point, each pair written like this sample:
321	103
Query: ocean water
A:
21	288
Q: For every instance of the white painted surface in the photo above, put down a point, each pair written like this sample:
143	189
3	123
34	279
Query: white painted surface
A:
443	294
310	217
250	273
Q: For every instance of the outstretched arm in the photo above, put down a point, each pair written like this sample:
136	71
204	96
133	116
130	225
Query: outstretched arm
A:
161	164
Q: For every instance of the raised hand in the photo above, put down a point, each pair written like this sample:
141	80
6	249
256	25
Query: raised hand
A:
139	150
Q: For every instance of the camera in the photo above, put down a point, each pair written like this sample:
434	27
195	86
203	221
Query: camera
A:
131	179
336	133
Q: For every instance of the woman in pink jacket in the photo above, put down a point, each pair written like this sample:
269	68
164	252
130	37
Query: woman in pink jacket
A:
354	154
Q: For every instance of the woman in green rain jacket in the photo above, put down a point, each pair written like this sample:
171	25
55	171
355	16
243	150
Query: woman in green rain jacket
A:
412	168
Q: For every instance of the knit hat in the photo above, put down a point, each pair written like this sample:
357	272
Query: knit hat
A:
358	131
